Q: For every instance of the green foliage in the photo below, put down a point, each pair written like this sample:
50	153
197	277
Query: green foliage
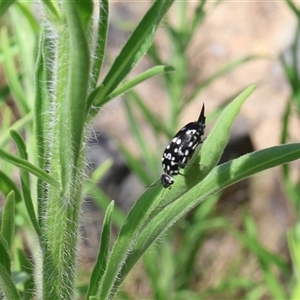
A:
56	86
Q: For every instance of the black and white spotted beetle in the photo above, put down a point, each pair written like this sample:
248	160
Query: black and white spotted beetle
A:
181	149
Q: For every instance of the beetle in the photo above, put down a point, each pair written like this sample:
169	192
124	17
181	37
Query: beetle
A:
181	149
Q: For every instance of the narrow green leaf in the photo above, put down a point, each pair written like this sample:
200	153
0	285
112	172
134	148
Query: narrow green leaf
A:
25	165
20	144
77	86
8	287
136	46
41	107
8	219
26	182
103	254
157	70
100	41
7	185
43	115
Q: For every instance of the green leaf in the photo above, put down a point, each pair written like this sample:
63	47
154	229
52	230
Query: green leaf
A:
43	107
157	70
25	165
136	46
8	287
8	219
26	182
101	41
42	101
72	118
103	254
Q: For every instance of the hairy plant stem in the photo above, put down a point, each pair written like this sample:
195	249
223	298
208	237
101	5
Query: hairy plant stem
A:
60	222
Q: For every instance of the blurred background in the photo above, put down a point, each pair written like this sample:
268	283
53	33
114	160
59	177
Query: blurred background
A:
240	244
